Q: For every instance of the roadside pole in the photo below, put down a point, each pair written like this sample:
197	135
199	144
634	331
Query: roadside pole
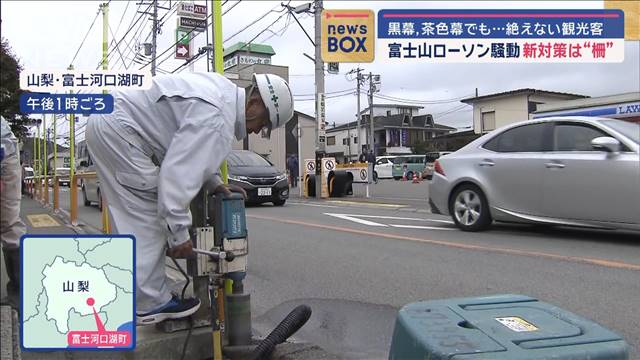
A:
106	226
35	161
73	188
56	189
36	169
319	79
218	293
154	37
45	133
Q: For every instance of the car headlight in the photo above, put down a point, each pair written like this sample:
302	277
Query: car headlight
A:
281	177
238	177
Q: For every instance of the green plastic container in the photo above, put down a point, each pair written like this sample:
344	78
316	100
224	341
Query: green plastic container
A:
499	327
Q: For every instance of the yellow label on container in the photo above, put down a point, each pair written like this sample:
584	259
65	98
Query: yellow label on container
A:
517	324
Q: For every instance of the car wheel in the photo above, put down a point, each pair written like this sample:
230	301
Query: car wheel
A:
279	202
84	197
469	208
99	200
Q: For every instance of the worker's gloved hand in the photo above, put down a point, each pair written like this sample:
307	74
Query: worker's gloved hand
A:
227	189
181	251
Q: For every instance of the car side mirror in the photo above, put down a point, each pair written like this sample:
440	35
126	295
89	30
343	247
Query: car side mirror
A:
606	143
84	163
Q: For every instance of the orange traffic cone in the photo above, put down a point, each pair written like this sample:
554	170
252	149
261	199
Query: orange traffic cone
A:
415	178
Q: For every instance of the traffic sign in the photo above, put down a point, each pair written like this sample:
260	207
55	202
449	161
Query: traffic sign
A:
182	51
183	44
192	23
334	68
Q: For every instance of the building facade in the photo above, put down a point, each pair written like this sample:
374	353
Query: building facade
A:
621	106
394	134
496	110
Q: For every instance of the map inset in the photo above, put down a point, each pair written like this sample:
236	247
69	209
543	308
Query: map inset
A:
78	292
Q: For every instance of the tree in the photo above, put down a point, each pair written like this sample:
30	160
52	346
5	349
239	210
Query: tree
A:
423	147
10	92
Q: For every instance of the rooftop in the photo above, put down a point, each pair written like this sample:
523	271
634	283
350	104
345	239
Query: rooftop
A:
393	121
254	48
525	91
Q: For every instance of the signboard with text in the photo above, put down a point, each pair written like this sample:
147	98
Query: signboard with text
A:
192	10
505	36
192	23
348	35
183	44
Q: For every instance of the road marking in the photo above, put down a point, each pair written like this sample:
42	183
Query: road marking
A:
356	218
366	203
359	221
42	220
421	227
314	205
403	218
576	259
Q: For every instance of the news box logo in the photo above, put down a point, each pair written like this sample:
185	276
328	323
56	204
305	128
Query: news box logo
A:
348	36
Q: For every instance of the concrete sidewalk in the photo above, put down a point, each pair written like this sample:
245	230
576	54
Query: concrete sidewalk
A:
150	342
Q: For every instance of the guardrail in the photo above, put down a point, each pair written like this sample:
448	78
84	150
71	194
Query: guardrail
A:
73	213
38	189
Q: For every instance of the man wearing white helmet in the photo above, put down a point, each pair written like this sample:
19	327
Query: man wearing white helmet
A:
154	153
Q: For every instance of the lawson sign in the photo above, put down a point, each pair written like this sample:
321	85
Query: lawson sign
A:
631	109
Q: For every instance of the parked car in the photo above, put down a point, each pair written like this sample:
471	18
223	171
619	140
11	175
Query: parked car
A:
258	177
409	165
90	186
63	177
427	173
27	174
384	166
576	171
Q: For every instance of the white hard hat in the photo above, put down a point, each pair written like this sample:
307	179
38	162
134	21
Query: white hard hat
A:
276	96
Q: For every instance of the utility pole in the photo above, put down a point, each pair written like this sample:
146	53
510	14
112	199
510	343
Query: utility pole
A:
319	79
105	35
358	116
371	146
154	37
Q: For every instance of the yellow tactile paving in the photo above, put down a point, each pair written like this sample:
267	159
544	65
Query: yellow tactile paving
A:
42	220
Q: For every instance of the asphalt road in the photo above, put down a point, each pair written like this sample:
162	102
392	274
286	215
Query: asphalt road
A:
357	263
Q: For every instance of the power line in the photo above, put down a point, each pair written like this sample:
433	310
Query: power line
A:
440	101
127	32
327	93
232	6
246	46
253	22
85	37
174	44
328	97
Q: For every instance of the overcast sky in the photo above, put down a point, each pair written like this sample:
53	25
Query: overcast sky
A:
46	35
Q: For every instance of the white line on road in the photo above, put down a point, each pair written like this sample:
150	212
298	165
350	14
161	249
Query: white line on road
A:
354	219
315	205
422	227
403	218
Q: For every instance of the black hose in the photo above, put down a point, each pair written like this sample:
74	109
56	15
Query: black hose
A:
287	327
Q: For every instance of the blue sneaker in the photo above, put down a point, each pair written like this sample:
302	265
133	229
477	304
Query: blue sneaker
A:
176	308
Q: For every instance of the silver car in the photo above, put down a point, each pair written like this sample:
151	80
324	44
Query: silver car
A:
576	171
